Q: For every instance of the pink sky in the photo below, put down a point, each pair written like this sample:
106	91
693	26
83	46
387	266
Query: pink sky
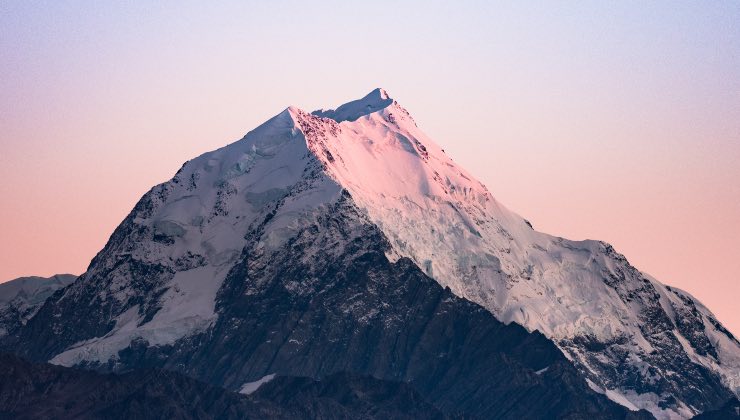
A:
616	122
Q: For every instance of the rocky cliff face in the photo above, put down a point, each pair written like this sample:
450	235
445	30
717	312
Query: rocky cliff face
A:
346	240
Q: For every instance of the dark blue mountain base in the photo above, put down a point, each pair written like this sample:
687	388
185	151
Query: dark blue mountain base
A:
40	390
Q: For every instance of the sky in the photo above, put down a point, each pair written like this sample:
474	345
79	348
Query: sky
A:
617	121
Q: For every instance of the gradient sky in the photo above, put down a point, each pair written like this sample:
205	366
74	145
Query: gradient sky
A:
617	121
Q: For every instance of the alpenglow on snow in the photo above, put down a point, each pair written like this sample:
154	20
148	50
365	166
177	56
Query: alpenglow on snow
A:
643	344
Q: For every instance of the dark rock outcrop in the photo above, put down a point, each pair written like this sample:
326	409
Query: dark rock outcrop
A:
728	411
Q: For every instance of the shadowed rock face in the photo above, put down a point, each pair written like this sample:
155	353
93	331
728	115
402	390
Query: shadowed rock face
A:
346	396
728	411
31	391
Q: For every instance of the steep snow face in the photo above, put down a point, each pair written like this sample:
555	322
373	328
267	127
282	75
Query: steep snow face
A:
22	297
581	294
190	231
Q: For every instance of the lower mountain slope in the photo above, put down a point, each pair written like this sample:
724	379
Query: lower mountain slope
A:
345	396
32	391
40	390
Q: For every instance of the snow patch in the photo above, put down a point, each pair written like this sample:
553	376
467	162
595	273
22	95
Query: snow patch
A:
647	401
250	387
187	307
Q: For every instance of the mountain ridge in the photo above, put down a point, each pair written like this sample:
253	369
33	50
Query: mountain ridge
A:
20	298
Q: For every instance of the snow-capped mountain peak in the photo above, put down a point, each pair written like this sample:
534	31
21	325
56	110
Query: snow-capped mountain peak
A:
160	276
351	111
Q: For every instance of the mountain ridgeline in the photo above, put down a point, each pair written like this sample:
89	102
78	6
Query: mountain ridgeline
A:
22	297
346	242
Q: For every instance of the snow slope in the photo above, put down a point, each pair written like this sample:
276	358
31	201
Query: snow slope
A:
575	292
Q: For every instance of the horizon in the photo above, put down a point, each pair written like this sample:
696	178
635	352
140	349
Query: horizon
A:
627	136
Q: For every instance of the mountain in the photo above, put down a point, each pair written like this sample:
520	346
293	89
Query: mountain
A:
346	240
32	391
22	297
